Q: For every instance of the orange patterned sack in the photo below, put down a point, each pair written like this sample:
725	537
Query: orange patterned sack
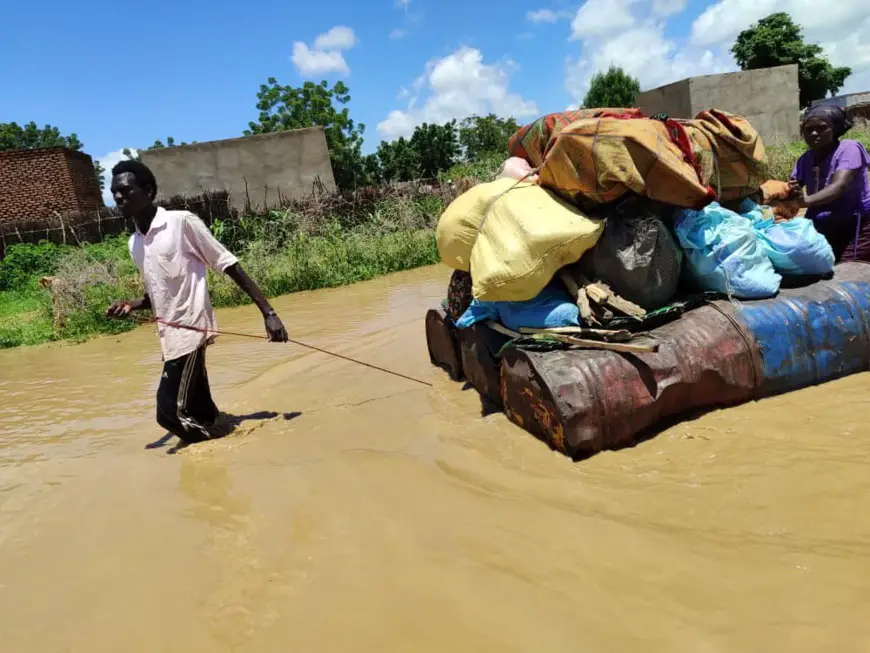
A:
730	153
598	160
533	141
606	153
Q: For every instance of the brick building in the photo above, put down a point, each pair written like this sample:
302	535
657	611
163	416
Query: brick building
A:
34	184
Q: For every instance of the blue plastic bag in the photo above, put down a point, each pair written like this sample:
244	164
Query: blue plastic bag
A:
551	308
793	246
724	252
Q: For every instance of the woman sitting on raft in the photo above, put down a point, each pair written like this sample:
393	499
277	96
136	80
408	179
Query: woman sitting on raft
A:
834	173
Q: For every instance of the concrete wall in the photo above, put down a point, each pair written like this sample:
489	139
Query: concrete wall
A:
673	99
767	98
282	164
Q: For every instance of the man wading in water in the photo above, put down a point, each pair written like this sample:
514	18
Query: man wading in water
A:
171	249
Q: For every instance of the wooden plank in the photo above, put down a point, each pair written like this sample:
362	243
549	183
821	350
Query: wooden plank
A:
624	306
626	348
598	293
602	295
579	296
500	328
617	335
582	343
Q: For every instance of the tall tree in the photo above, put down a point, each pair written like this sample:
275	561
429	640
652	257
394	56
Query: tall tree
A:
615	88
30	137
482	135
437	148
398	160
286	107
430	150
777	41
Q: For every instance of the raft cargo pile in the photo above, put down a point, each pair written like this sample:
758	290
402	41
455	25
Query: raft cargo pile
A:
623	269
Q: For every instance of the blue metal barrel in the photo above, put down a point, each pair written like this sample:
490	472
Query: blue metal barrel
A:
809	335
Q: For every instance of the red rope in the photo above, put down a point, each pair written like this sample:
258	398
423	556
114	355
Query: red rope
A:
145	320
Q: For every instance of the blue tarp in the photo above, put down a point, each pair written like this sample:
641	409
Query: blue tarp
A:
724	253
793	246
551	308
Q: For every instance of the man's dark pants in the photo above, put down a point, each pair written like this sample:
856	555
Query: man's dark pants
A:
184	404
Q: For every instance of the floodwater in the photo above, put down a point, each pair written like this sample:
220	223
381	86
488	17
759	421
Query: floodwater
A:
374	514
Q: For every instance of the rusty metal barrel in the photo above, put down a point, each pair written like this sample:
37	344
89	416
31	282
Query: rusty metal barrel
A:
583	401
721	354
443	343
479	347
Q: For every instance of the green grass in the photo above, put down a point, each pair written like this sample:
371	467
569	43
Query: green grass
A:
97	274
25	317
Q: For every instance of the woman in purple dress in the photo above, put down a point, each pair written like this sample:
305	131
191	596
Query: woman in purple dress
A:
834	173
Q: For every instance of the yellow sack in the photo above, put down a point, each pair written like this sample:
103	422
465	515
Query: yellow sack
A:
457	226
527	236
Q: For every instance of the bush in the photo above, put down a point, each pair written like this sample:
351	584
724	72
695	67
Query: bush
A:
25	262
88	280
484	169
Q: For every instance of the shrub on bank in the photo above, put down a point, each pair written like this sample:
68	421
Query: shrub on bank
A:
90	277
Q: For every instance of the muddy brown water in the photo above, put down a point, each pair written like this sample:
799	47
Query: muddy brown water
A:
388	516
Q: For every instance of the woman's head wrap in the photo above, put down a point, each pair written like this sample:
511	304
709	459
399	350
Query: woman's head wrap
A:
835	116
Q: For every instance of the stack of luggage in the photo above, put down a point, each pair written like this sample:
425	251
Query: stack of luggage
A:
602	226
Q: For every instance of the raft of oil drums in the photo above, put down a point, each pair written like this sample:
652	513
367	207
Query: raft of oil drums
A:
720	354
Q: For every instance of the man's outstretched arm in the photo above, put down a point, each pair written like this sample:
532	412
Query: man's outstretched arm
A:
274	326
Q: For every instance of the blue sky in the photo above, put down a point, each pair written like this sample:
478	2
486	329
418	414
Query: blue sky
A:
122	75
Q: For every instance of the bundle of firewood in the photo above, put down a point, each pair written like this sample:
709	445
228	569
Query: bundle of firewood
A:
598	304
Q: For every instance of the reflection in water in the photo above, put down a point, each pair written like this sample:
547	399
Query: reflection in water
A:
386	516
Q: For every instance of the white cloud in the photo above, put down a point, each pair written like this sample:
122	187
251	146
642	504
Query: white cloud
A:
398	33
542	16
403	4
596	18
338	38
664	8
325	56
723	21
108	161
631	34
645	53
317	62
853	50
456	86
841	28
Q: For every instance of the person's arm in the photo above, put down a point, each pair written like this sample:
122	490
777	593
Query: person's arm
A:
125	307
274	326
209	249
839	184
